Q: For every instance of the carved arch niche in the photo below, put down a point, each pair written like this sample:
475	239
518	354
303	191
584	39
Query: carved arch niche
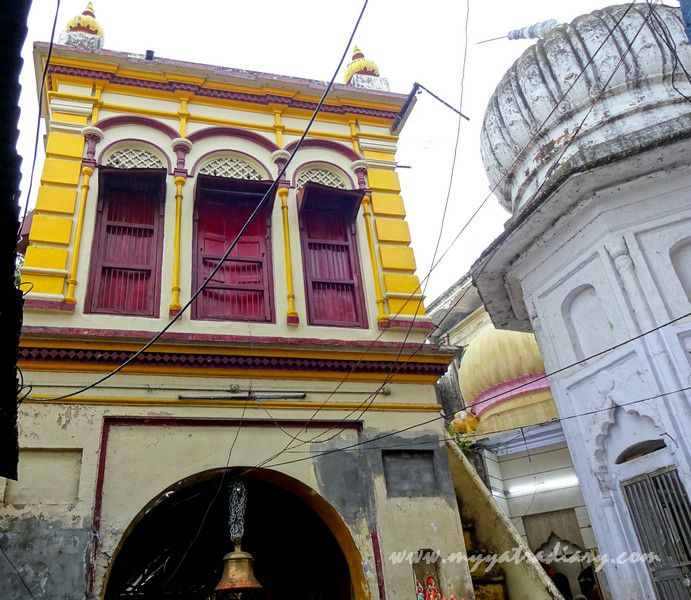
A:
586	321
626	436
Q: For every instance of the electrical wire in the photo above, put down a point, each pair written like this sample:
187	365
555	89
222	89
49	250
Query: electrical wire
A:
213	500
567	146
269	460
412	294
437	418
537	133
240	233
38	118
668	38
459	112
571	141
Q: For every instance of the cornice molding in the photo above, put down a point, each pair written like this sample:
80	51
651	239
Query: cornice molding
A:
198	90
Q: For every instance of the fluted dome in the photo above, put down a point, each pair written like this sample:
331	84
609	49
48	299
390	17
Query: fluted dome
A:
84	31
542	75
503	383
496	356
360	66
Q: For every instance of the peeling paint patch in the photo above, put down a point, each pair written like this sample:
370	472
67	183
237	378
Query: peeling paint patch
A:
50	557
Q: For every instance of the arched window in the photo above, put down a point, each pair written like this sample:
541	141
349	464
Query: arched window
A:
126	253
228	191
330	258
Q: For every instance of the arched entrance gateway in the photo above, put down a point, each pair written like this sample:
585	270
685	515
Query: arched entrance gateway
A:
301	547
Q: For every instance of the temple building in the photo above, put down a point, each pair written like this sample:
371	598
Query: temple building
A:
595	260
295	398
499	401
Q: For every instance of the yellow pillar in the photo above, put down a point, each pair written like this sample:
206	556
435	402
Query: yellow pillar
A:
382	317
292	314
175	305
87	172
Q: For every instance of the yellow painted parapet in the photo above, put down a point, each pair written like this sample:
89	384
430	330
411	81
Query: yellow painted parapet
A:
45	264
402	287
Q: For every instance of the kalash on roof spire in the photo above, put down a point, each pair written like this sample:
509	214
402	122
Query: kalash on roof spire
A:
84	31
364	72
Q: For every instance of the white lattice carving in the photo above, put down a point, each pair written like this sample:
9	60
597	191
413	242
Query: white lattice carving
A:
230	167
134	158
323	176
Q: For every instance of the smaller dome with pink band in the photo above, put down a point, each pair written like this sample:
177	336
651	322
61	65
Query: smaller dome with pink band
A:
502	378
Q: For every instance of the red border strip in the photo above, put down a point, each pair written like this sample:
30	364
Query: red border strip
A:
378	564
109	422
137	335
48	305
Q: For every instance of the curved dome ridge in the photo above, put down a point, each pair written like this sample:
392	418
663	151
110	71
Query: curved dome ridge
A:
594	45
497	356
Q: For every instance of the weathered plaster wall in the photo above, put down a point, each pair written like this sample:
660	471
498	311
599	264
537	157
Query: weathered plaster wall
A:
144	459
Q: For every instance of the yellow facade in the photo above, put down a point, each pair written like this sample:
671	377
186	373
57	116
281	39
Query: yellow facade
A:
188	112
359	379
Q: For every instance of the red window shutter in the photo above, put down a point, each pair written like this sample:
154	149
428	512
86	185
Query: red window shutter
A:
241	289
126	253
331	267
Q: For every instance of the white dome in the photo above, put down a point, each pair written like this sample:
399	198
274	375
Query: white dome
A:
540	77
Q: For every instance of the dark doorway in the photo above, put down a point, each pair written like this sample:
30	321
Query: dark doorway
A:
295	553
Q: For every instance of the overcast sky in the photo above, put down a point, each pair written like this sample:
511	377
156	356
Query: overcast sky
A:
410	41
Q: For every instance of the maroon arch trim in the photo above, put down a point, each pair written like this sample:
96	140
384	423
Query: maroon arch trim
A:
250	136
349	153
111	122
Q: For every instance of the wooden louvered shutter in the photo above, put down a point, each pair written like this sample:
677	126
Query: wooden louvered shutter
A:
126	254
241	290
331	267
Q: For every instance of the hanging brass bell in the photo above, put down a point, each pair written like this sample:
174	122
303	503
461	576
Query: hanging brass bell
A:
237	574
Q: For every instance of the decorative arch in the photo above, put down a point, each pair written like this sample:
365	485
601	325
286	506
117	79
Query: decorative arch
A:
586	321
680	256
244	134
349	153
620	431
324	173
121	120
312	500
235	160
136	146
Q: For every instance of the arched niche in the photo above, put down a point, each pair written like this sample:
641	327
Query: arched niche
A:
300	543
680	255
623	433
586	321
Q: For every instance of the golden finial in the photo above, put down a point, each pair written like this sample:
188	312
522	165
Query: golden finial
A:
360	65
86	22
